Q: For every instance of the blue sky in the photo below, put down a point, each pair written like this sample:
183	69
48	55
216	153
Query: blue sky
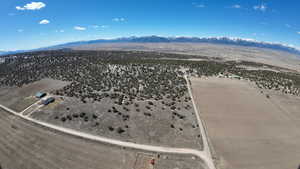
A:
27	24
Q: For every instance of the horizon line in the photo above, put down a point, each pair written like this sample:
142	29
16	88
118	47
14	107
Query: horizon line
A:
177	36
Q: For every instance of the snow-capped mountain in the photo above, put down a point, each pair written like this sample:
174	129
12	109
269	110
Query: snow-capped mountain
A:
160	39
213	40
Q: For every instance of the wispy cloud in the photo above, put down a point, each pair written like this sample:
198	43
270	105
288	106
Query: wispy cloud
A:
44	22
198	5
60	31
104	26
43	34
288	25
236	6
11	14
264	23
32	6
20	30
261	7
99	26
298	32
95	26
79	28
118	19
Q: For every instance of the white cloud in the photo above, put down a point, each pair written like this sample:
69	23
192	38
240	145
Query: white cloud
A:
79	28
32	6
20	8
261	7
118	19
236	6
44	22
20	30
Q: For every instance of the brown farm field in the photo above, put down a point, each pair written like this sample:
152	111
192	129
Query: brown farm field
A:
24	145
247	129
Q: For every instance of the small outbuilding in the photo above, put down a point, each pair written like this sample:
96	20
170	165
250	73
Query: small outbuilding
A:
40	95
48	101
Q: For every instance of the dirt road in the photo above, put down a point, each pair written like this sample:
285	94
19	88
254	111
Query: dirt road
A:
90	137
205	155
206	148
26	145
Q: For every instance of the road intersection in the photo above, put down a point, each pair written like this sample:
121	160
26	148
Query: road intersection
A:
204	155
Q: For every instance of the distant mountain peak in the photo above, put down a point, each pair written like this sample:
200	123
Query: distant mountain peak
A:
183	39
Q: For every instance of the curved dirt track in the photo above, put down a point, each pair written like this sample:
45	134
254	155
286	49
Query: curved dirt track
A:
57	147
42	137
26	146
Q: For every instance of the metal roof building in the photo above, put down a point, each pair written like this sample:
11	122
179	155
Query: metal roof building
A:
48	101
40	94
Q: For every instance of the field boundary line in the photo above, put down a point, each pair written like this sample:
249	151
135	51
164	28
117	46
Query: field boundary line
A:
206	146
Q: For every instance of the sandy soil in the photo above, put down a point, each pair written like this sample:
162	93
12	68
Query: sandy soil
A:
24	145
246	129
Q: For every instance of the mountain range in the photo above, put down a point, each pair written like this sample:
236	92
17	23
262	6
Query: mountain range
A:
13	52
159	39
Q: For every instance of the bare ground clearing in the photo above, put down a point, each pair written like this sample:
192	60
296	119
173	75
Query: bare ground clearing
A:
248	130
18	98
